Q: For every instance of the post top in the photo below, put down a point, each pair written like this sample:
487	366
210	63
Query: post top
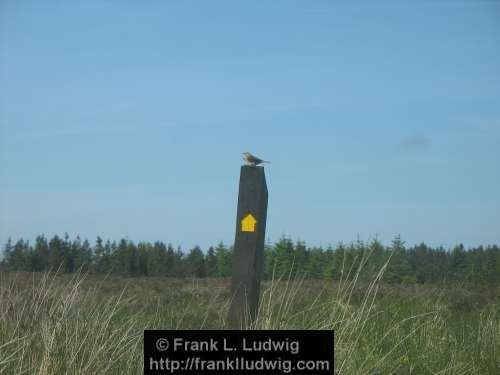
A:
249	171
251	168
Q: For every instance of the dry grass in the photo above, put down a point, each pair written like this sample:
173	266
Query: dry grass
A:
87	324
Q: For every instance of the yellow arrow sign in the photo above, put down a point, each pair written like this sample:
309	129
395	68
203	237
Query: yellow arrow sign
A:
248	223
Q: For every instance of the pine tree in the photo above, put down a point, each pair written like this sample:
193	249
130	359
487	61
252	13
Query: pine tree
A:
16	256
120	259
283	257
156	258
316	265
399	269
82	255
299	258
334	270
40	261
132	259
195	263
144	252
56	254
223	260
490	273
172	263
211	262
458	263
97	262
7	253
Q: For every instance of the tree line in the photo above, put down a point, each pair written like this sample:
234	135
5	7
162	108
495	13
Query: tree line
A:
285	258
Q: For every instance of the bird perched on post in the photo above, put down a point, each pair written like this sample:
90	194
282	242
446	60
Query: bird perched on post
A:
252	160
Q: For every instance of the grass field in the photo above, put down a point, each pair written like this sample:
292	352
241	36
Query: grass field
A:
89	324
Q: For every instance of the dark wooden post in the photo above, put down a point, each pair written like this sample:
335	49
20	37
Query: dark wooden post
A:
248	247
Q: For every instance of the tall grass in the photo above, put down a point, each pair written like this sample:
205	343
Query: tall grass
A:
85	324
54	327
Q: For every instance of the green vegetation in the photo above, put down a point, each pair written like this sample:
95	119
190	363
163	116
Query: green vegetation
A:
90	324
408	265
395	310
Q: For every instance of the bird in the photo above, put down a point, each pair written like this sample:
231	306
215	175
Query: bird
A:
252	160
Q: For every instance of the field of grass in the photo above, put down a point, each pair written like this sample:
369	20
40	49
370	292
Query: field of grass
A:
89	324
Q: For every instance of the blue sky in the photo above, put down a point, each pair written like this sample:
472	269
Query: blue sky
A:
128	119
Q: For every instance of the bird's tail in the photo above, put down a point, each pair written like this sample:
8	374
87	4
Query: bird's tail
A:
265	161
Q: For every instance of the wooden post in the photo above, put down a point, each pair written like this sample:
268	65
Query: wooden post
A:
248	247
